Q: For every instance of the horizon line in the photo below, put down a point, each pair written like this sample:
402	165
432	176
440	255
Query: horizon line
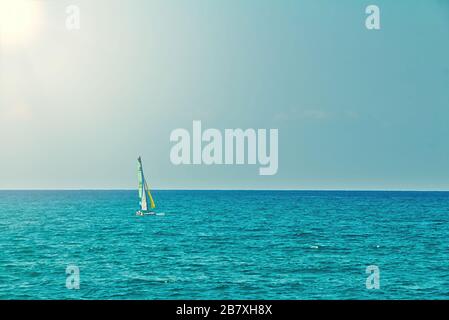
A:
222	189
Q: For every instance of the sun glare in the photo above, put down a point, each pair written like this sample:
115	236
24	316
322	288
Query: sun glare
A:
19	21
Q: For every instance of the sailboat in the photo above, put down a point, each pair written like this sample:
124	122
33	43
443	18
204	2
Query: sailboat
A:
146	199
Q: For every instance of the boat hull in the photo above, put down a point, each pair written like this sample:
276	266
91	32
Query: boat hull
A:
144	213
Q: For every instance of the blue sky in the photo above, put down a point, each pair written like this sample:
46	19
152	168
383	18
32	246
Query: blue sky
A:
355	109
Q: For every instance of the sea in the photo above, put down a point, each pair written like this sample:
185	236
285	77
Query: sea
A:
224	245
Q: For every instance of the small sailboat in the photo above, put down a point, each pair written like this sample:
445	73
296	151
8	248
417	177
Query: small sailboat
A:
146	199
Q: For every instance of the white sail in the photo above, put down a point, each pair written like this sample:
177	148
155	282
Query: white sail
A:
146	200
143	200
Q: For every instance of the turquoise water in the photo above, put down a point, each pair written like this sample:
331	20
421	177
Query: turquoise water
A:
224	245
